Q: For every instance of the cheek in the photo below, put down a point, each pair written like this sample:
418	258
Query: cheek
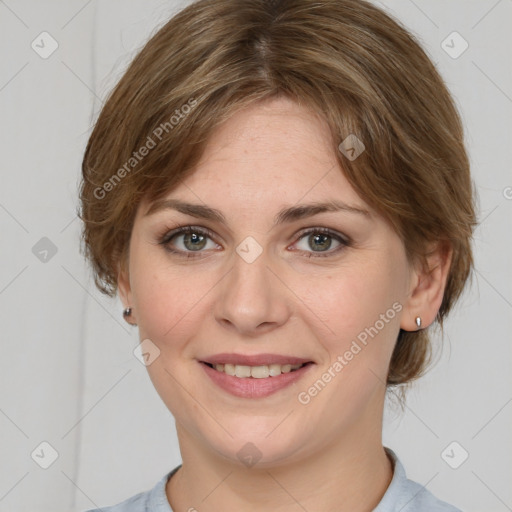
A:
169	305
351	299
358	309
162	302
167	297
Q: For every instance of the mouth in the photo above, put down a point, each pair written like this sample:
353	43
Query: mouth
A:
256	380
255	372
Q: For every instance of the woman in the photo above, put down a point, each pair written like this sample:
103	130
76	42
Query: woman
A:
280	194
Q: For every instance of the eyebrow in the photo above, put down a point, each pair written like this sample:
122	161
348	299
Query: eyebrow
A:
290	214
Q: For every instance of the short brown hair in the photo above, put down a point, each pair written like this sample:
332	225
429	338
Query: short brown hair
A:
346	60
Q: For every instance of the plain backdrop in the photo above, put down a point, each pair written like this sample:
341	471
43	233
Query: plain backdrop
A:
68	375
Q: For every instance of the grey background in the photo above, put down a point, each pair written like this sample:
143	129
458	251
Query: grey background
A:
68	373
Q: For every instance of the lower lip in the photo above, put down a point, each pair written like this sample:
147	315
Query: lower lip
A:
249	387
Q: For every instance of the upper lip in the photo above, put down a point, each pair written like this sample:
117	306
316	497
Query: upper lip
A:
254	360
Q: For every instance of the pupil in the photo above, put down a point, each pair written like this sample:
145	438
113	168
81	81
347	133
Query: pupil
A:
323	241
194	238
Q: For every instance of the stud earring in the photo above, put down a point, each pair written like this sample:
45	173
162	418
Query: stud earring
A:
126	314
418	322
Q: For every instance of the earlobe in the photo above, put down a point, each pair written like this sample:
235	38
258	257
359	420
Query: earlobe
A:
123	285
428	284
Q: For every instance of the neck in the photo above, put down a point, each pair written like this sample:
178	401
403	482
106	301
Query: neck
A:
350	474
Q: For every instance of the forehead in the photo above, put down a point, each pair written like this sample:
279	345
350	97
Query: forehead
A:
269	134
270	153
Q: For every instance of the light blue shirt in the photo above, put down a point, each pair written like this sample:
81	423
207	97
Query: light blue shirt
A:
402	495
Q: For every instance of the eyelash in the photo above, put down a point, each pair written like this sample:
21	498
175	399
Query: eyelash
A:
167	236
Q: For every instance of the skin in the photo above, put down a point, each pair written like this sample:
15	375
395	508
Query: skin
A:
326	455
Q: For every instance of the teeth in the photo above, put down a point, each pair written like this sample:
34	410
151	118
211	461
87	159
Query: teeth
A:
274	370
242	371
257	372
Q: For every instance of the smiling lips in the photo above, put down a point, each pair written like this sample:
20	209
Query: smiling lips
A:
255	376
253	360
258	366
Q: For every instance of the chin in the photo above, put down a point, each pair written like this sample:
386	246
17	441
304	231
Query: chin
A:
255	442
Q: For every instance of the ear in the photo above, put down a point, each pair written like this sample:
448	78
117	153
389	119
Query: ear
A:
123	284
427	287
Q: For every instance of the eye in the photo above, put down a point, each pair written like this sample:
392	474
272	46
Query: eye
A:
321	240
188	239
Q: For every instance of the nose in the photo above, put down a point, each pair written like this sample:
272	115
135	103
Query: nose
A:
252	300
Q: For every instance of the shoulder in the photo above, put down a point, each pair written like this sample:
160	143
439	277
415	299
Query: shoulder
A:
137	503
154	500
423	500
408	496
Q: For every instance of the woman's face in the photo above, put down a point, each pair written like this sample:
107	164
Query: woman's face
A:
326	287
